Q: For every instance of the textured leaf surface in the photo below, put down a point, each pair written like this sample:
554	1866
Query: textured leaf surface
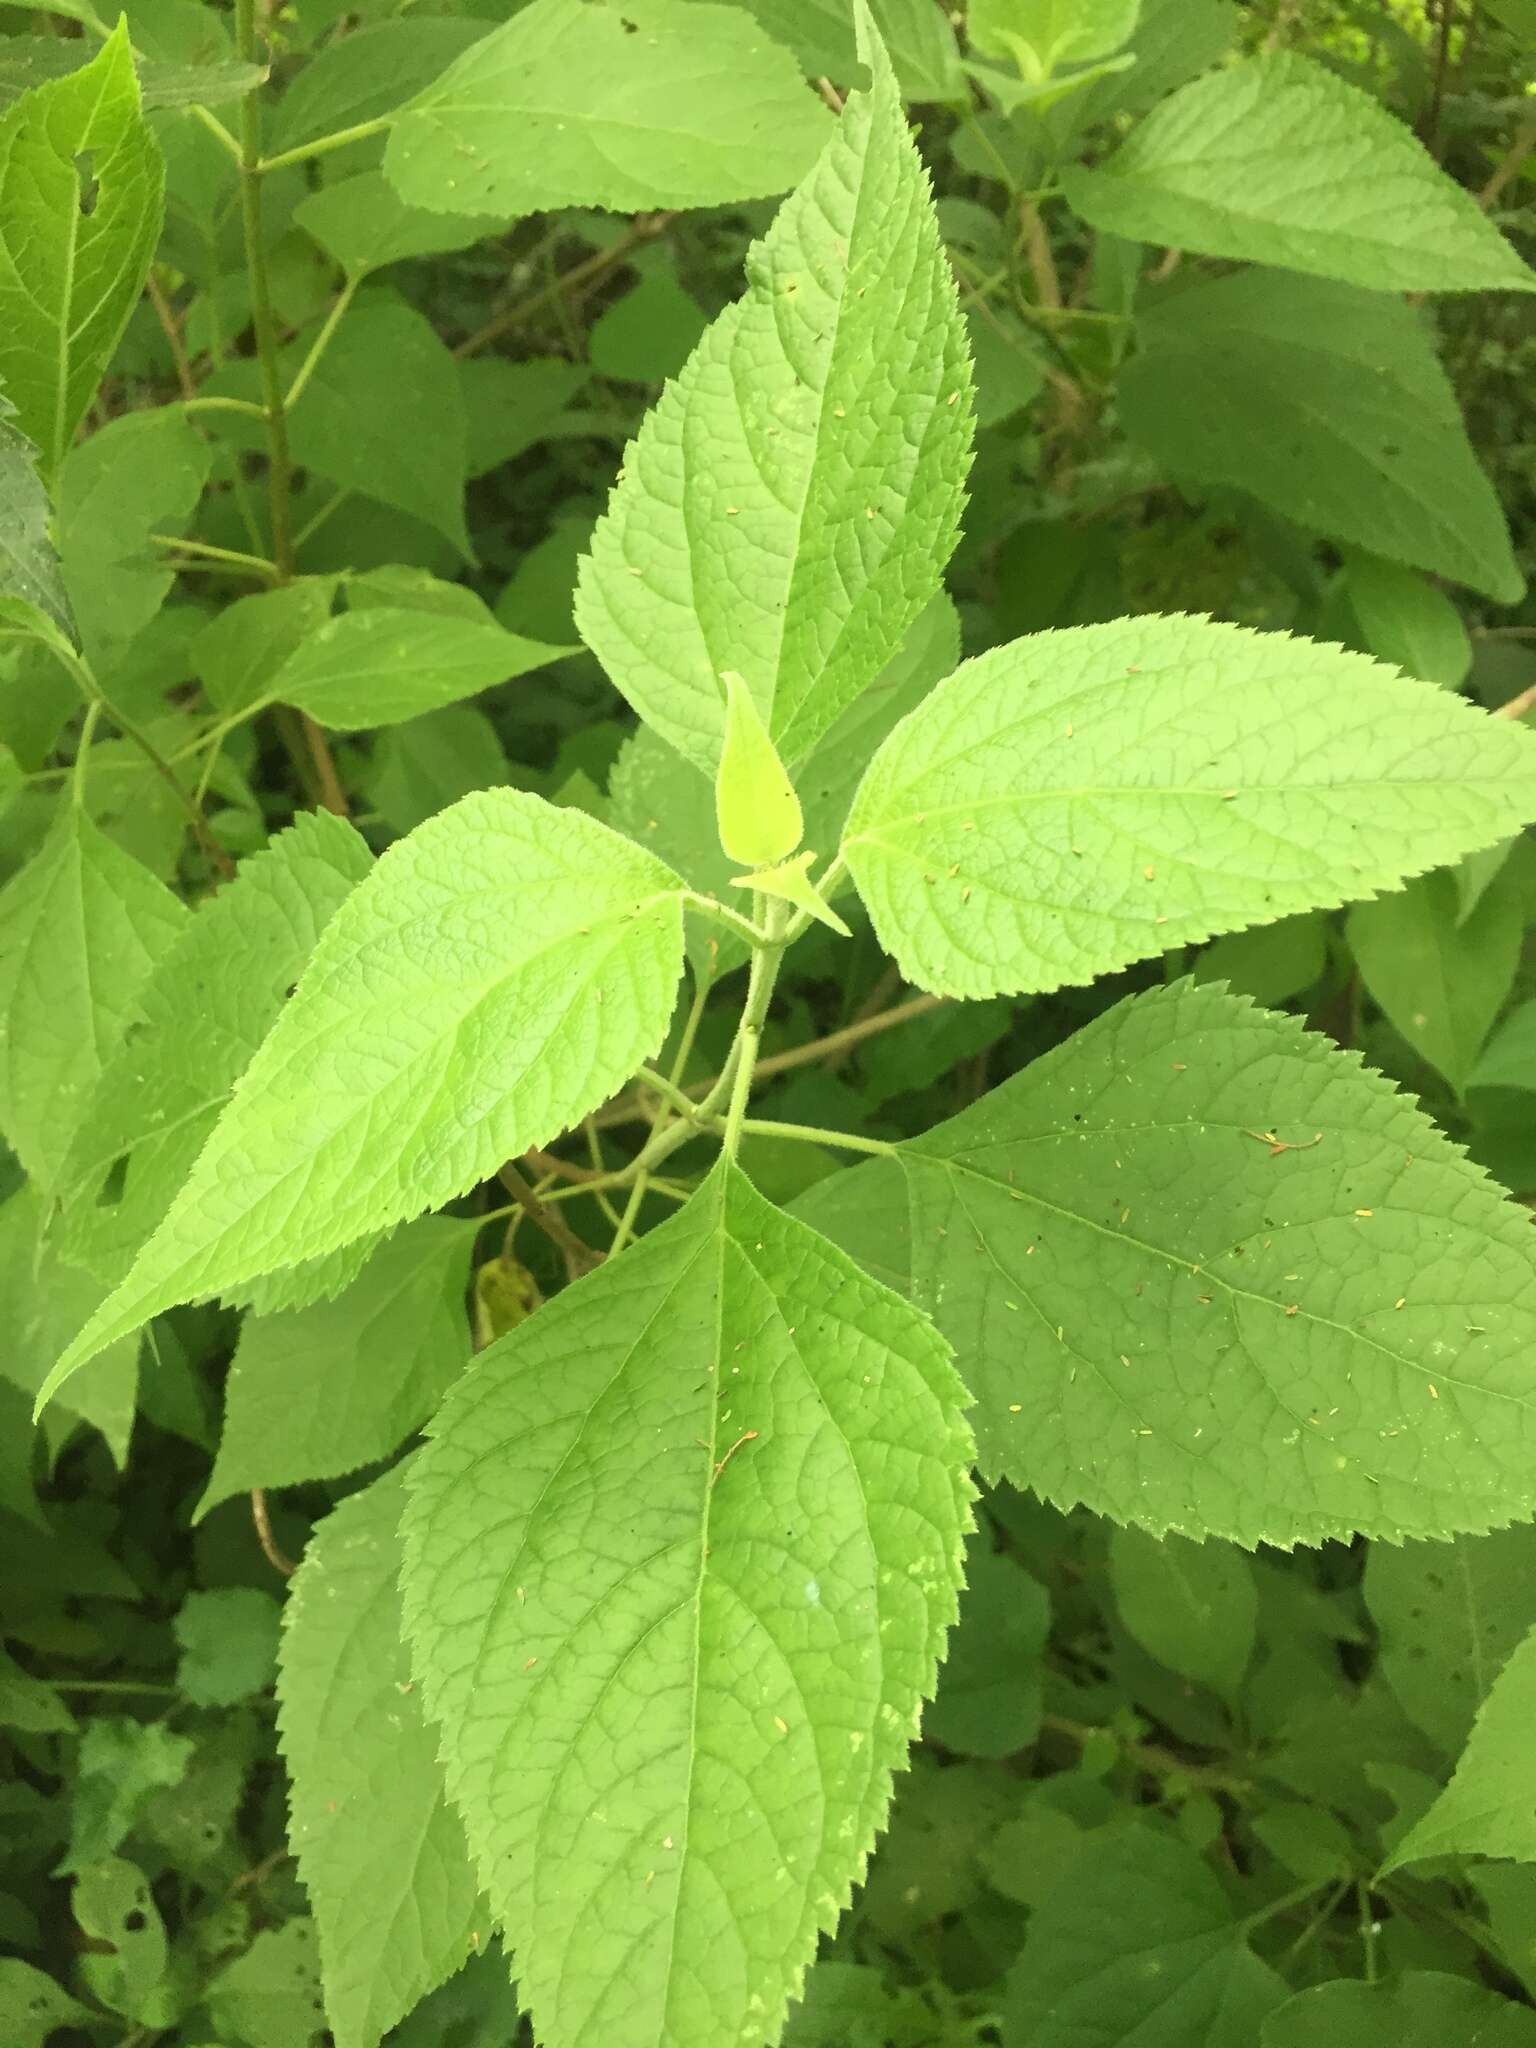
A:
1327	403
1449	1615
381	1852
386	664
71	271
1489	1807
1138	1948
1114	1249
1086	798
583	103
789	505
162	1091
674	1678
81	927
497	975
315	1392
1440	978
29	566
1419	2009
1278	160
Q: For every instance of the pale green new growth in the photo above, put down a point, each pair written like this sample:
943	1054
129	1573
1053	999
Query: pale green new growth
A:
757	812
789	505
161	1093
497	975
1279	160
1487	1809
680	1559
1327	403
81	927
385	664
72	259
381	1852
1081	799
653	104
317	1391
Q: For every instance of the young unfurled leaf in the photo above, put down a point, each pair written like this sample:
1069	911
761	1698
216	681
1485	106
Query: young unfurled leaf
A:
680	1558
1215	169
1086	798
81	183
570	103
385	664
317	1391
162	1091
451	1016
1299	392
1209	1274
756	809
381	1852
791	882
81	927
789	505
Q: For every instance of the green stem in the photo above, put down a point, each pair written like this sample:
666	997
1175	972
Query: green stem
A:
217	404
224	558
765	972
105	1685
321	146
670	1092
621	1236
83	755
710	906
217	130
279	465
321	343
812	1134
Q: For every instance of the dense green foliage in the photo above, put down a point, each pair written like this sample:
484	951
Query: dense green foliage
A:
607	605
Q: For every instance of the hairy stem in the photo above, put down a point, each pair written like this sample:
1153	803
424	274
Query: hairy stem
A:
774	917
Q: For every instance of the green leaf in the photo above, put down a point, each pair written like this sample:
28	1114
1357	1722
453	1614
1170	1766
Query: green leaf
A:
1215	169
122	1764
1138	1945
1487	1809
1404	620
512	406
1449	1614
36	2004
81	927
316	1392
428	763
270	1996
570	103
680	1558
1272	963
1509	1058
919	37
365	224
381	1852
757	812
368	72
1054	32
649	334
239	651
1192	1606
127	1949
789	505
385	664
228	1641
81	185
1114	1246
162	1091
1086	798
1328	404
29	563
138	475
990	1692
1419	2009
43	1304
1440	980
339	428
451	1016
